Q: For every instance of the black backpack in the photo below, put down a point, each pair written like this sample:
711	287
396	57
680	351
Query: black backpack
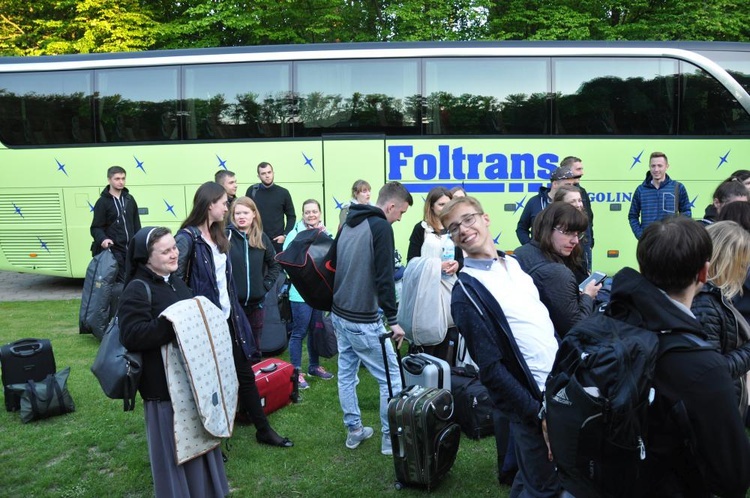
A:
310	261
597	399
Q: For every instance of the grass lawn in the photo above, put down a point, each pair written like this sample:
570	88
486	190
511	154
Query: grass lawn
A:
99	450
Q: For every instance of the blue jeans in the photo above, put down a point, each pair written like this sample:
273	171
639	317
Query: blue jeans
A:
359	343
304	318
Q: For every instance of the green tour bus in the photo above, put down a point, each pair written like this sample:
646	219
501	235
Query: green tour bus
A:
494	117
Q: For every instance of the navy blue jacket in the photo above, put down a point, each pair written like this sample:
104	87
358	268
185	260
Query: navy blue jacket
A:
196	268
491	344
535	206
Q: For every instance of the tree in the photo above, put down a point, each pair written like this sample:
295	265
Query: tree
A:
67	26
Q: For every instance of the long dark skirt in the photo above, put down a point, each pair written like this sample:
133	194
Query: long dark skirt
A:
203	476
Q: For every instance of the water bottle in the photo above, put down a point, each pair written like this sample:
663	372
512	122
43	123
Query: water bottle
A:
448	249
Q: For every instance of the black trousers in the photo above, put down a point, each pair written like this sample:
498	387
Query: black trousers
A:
249	398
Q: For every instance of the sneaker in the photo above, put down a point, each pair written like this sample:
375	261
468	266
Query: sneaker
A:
320	372
357	436
302	382
385	445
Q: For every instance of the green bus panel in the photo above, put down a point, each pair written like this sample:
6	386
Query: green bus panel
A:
46	195
346	161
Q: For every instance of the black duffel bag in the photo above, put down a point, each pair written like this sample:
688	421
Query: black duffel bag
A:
48	398
310	260
472	403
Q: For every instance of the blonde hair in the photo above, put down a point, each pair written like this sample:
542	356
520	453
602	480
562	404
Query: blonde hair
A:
255	234
730	258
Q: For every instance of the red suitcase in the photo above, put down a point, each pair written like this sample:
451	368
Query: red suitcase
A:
278	383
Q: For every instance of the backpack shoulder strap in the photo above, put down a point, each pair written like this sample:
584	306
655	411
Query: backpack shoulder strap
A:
148	288
254	190
676	196
681	341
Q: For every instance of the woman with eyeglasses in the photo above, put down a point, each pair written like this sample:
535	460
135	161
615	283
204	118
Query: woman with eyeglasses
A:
205	266
572	195
552	258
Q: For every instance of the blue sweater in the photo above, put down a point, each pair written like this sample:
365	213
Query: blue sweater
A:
652	204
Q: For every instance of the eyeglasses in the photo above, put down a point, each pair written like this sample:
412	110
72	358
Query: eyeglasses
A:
572	235
466	222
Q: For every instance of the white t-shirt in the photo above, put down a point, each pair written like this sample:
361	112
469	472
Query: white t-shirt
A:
220	264
528	318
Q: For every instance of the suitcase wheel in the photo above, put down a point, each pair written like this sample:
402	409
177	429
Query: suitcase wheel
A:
398	486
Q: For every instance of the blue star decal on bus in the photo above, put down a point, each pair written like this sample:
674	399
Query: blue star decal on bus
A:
308	161
43	244
17	210
636	160
61	167
170	208
91	206
723	159
519	204
222	162
339	205
496	240
692	203
139	164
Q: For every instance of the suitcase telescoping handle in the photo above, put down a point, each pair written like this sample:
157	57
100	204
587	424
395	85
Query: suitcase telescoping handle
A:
383	338
26	347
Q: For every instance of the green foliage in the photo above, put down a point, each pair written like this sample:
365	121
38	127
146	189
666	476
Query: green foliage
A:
68	26
99	450
48	27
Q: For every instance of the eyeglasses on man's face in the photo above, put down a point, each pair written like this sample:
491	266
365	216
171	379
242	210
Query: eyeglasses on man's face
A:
466	222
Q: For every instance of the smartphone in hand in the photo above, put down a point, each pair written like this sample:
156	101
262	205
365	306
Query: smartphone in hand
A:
597	277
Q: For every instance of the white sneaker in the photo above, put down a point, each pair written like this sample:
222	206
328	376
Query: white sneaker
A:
357	436
385	446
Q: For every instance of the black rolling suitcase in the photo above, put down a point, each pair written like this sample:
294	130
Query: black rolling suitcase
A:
424	439
23	360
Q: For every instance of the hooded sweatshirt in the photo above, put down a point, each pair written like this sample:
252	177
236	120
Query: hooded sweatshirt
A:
364	267
697	443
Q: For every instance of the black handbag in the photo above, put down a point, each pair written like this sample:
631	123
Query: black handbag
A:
48	398
117	369
324	337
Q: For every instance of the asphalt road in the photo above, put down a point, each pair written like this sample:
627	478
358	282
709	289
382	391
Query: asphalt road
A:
31	287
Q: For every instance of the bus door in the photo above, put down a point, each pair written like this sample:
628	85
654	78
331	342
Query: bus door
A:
348	158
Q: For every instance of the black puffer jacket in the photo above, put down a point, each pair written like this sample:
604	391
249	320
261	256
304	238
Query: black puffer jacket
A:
718	320
558	288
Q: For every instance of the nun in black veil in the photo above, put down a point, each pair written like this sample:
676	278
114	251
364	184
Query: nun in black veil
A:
152	259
